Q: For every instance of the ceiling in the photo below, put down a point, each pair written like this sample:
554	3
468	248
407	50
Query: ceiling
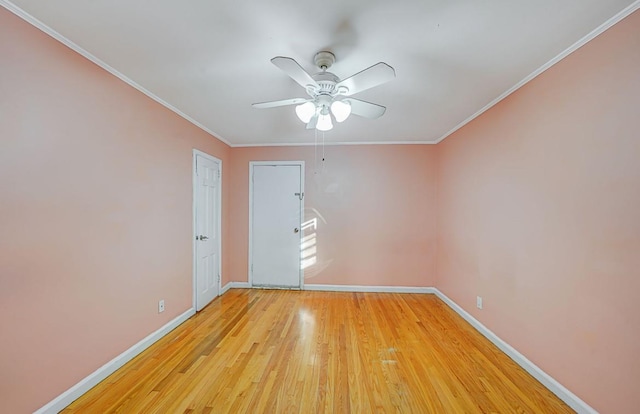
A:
209	60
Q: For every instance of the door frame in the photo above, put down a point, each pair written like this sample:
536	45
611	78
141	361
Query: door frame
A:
195	228
275	163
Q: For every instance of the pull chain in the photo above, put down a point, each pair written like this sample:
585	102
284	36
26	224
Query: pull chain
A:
315	152
322	151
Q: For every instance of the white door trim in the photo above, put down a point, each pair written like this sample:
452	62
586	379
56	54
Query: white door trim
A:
194	228
257	163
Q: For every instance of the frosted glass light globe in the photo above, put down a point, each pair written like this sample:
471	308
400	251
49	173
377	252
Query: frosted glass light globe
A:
306	111
341	110
324	123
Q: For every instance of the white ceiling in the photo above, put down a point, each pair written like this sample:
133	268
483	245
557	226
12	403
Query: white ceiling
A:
211	59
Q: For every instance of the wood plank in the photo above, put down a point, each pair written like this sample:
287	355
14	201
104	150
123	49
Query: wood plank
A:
291	351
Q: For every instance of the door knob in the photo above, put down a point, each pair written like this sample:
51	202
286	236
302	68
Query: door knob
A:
296	230
202	238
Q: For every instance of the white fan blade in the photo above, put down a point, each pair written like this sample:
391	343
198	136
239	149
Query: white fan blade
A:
284	102
294	70
368	78
313	122
365	109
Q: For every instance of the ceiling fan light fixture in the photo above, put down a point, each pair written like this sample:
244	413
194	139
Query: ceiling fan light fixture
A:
324	122
306	111
341	110
326	104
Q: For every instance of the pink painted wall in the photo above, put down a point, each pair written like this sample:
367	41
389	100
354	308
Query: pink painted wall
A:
539	213
377	209
535	203
95	215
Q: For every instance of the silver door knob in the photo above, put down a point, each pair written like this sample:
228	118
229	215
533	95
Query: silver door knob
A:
296	230
202	238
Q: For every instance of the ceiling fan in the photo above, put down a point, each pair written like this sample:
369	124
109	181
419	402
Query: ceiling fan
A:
330	97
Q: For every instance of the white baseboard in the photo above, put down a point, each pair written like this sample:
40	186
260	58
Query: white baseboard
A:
63	400
374	289
545	379
554	386
234	285
73	393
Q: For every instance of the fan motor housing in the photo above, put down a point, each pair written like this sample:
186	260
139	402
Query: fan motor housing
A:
327	83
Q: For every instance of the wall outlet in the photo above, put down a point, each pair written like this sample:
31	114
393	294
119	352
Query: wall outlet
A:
161	306
479	302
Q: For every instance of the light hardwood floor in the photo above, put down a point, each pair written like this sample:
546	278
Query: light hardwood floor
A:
276	351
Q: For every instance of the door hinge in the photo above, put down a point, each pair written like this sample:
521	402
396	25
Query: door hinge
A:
300	195
218	174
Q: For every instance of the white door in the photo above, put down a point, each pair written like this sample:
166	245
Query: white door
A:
276	215
207	229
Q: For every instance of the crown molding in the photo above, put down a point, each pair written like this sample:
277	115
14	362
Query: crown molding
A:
62	39
327	144
75	47
577	45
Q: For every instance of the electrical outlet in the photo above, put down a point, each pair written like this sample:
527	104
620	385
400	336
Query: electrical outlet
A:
161	306
479	302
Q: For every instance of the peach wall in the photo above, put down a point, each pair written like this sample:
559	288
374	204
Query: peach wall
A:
377	209
539	213
95	215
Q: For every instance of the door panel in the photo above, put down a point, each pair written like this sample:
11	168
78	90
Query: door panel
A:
207	242
276	218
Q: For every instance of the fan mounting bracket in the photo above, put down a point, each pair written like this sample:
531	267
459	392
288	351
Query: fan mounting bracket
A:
324	59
